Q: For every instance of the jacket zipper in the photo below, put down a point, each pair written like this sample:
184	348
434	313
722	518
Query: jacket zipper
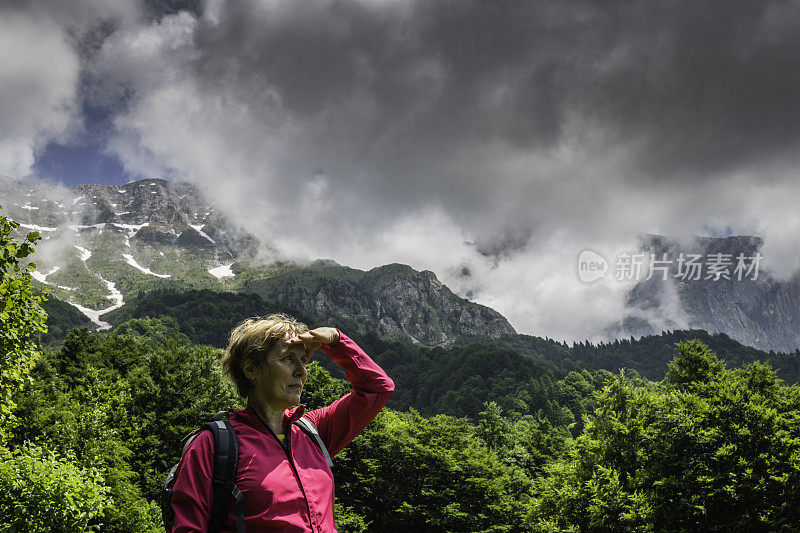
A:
288	450
287	435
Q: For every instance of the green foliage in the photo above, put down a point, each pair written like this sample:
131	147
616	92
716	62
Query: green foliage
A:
154	330
709	449
121	403
42	492
410	473
61	319
22	319
321	389
349	521
546	449
461	379
176	389
79	405
695	367
492	428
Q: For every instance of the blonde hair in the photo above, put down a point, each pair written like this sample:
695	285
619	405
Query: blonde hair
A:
251	342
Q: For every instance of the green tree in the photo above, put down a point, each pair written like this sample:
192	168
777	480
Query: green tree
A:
695	366
708	449
78	405
41	493
22	318
492	428
321	389
406	472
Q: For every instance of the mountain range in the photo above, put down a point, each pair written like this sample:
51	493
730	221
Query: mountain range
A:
104	244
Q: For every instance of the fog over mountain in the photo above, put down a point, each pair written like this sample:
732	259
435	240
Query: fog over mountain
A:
488	142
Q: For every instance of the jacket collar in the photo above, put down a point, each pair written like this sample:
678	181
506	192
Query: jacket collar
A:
290	415
249	416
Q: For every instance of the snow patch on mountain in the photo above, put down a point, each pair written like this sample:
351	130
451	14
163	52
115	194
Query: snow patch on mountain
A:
132	262
99	226
41	277
115	296
131	228
94	315
85	254
34	227
199	229
223	271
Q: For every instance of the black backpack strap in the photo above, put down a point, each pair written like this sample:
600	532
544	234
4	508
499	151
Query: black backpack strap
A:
226	464
311	430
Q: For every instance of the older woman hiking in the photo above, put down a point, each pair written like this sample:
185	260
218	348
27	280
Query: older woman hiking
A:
284	476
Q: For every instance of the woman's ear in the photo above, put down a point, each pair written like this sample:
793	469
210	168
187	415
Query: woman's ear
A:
249	370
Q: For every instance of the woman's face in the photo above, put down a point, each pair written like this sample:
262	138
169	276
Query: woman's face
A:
281	381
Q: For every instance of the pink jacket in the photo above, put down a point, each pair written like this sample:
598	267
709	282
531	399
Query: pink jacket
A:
285	491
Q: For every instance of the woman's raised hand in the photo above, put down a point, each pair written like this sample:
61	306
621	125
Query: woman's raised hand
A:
313	339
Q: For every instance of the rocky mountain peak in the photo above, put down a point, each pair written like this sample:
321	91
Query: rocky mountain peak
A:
727	293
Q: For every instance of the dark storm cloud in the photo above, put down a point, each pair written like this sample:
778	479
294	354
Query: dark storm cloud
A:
701	87
710	86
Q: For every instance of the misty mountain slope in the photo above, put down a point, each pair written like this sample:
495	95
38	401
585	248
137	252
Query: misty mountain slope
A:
102	244
204	316
648	355
762	312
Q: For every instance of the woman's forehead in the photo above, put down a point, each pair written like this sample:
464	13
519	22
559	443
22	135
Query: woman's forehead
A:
281	348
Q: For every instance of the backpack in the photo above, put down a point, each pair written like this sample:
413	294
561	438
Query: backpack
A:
226	464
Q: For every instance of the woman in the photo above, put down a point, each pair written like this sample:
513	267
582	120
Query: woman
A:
284	476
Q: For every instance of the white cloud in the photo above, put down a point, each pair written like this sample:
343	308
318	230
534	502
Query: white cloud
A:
38	81
41	49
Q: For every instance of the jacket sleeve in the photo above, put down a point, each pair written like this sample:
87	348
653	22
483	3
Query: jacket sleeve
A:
344	419
192	492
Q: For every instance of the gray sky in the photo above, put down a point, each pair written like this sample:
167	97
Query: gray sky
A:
498	139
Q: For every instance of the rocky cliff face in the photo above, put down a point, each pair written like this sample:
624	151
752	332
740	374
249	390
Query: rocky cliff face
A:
759	312
395	300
